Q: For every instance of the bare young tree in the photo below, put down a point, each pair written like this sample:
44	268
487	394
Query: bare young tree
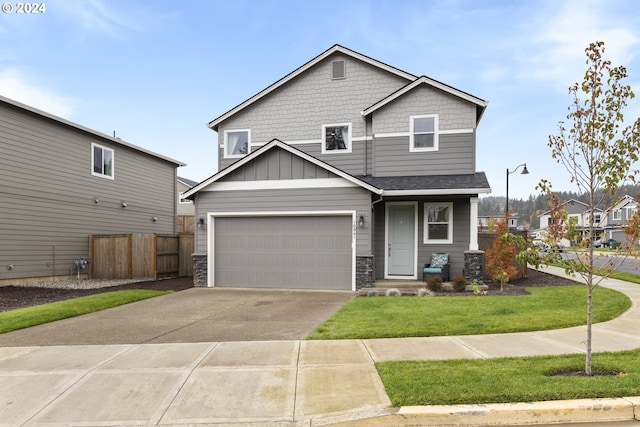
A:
600	153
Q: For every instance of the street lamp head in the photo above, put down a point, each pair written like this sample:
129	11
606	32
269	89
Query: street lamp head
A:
525	171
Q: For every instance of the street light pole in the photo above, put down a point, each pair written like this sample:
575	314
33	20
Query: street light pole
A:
524	172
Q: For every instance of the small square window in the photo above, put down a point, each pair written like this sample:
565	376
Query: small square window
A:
336	138
424	133
236	143
102	160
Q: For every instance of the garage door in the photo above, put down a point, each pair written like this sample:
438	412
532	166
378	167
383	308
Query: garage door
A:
296	252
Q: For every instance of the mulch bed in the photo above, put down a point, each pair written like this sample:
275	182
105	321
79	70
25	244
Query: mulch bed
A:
12	297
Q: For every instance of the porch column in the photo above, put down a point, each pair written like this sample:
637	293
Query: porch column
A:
473	224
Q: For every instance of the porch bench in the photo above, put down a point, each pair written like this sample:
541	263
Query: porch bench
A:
439	266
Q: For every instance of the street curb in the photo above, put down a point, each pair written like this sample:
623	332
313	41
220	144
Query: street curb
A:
509	414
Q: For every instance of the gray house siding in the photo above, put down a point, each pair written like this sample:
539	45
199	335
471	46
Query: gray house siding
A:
461	221
287	200
453	112
50	202
311	100
456	155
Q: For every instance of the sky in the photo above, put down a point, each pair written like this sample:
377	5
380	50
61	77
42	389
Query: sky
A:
155	71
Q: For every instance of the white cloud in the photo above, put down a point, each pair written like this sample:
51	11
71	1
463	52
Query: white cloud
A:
560	34
97	16
13	85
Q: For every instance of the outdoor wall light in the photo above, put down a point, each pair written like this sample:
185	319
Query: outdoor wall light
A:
361	221
200	222
96	200
124	204
154	218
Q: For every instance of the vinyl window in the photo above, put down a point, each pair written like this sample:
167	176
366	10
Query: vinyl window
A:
423	133
237	143
336	138
438	223
102	161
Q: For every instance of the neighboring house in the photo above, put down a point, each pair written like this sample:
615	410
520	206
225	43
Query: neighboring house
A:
343	172
615	218
62	182
579	214
185	206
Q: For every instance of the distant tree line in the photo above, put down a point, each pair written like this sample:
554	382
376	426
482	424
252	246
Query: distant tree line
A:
529	209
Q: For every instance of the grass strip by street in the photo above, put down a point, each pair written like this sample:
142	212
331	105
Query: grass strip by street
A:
621	275
45	313
508	380
544	309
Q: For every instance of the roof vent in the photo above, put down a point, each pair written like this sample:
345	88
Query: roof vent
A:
338	70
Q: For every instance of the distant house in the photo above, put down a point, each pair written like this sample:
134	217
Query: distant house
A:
615	218
185	206
345	171
62	182
579	214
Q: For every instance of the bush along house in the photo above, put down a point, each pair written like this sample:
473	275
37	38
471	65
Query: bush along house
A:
343	172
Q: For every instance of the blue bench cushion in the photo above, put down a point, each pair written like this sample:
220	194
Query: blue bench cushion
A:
432	270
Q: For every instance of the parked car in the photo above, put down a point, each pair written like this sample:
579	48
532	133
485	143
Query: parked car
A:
611	243
597	243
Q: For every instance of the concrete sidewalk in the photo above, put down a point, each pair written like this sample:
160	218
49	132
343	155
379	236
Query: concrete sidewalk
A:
282	383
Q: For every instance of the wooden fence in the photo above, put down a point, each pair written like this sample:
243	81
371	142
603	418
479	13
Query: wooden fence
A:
140	256
485	241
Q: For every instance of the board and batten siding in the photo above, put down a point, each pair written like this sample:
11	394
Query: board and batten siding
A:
50	202
461	218
287	200
456	155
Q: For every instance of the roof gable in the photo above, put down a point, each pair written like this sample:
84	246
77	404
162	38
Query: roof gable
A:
232	172
424	80
300	70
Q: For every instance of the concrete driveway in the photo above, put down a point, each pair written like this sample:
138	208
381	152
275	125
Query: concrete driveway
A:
192	316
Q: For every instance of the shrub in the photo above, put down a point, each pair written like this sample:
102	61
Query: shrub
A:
423	292
393	292
372	293
434	284
460	283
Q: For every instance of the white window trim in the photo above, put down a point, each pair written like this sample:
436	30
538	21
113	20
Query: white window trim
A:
412	147
224	144
113	161
617	215
426	239
348	142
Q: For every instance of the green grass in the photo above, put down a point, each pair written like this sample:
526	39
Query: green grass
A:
545	308
45	313
508	379
621	275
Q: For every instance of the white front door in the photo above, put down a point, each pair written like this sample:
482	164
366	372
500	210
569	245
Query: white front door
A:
401	243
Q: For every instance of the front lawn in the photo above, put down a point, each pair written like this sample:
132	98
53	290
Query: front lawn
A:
545	308
505	380
31	316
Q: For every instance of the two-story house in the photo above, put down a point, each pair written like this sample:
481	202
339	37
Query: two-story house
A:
345	171
615	218
61	182
579	215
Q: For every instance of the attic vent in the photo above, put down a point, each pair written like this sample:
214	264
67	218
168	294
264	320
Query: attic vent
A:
338	70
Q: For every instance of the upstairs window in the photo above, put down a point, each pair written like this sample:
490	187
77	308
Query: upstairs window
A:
336	138
438	223
101	161
617	215
424	133
236	143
